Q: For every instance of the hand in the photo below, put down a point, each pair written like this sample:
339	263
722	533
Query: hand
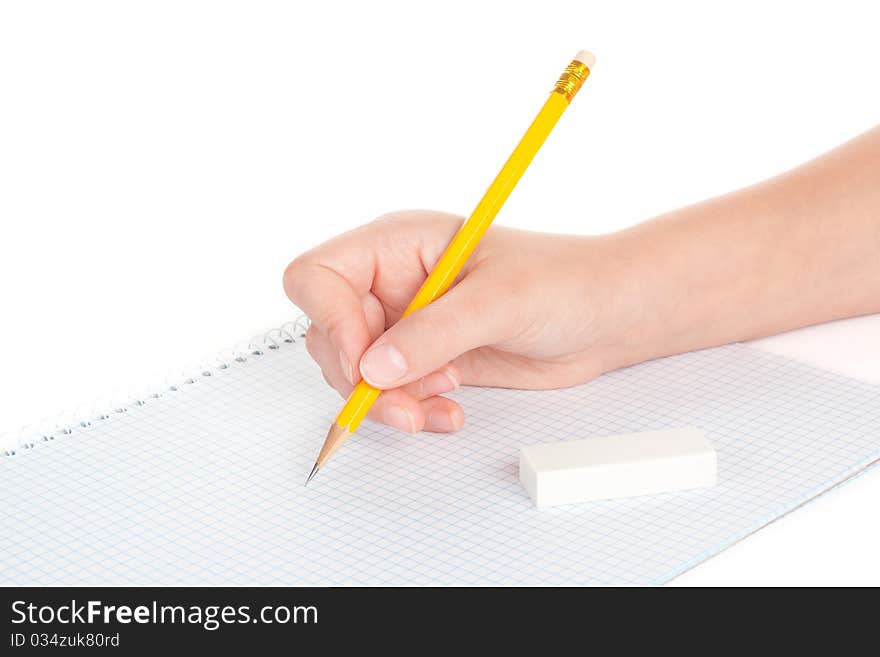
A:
524	313
541	311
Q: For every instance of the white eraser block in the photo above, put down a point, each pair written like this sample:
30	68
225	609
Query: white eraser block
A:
617	466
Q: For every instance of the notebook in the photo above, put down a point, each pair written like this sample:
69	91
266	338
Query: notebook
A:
201	483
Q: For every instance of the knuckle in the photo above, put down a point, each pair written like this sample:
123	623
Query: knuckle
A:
293	275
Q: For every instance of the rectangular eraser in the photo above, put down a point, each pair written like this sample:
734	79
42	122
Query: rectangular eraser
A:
617	466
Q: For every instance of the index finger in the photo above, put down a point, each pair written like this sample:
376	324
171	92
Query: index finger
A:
328	283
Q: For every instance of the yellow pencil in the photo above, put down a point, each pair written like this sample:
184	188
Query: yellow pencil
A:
465	241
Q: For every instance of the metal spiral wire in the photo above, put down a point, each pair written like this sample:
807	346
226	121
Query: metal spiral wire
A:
67	423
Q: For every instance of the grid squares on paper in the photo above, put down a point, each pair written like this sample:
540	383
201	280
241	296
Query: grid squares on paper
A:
204	486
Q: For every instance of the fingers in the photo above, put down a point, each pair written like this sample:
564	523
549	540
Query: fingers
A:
402	411
327	356
334	307
382	263
444	380
414	407
355	285
461	320
442	415
321	349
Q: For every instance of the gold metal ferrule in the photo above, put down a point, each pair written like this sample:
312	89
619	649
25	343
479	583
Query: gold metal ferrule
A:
572	79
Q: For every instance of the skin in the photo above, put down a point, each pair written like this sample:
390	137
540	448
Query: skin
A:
536	310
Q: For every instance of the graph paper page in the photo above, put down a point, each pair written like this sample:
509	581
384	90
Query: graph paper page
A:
205	485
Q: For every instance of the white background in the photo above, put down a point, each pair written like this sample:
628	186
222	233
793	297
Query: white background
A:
161	162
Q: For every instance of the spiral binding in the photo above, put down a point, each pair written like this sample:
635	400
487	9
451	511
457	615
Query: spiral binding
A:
67	423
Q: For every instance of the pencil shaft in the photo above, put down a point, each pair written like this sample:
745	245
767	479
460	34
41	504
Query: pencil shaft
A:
452	261
455	256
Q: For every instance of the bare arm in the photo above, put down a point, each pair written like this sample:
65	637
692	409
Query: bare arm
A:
534	310
798	249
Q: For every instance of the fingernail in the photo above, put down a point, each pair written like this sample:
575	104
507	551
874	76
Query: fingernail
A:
346	367
382	366
399	418
438	383
441	421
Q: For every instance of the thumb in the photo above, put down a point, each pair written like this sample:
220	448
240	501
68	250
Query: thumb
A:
429	338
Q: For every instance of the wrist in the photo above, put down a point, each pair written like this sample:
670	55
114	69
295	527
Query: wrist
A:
636	293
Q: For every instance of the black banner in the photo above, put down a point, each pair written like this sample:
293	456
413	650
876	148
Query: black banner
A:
128	620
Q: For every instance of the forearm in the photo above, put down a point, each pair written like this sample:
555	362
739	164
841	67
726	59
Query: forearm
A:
799	249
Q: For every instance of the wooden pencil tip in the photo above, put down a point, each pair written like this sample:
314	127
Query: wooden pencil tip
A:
335	437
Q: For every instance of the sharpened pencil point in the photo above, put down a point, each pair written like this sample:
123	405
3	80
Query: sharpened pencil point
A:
312	475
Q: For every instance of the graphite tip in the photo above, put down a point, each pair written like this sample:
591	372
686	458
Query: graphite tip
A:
312	474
